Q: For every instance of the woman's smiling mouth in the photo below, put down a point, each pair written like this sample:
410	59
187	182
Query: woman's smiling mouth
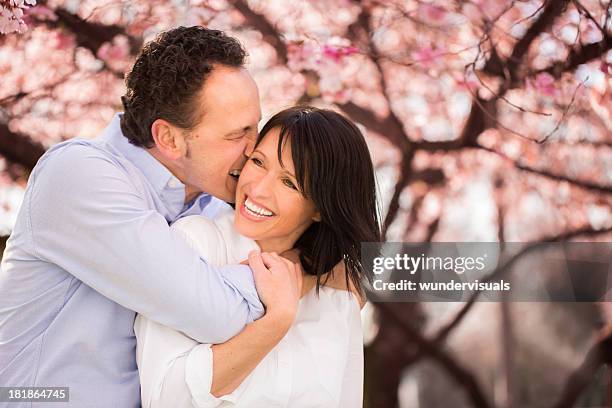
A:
256	210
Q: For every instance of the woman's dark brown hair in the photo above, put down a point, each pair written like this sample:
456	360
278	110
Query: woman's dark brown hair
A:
334	169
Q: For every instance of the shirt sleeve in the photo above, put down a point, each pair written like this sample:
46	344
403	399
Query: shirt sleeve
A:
171	365
87	216
352	383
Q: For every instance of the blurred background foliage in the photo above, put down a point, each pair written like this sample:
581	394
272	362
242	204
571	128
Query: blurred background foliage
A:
488	120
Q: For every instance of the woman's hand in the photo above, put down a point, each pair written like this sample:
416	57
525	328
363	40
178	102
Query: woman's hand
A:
279	285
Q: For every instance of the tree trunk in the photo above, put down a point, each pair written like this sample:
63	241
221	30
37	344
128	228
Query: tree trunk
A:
2	245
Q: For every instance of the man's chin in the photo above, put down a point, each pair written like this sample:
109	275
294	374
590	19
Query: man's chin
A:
229	197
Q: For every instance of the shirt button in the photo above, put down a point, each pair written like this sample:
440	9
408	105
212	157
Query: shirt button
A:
173	183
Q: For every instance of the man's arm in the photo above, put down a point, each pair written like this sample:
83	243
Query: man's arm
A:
88	218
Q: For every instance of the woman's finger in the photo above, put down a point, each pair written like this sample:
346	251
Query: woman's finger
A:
256	262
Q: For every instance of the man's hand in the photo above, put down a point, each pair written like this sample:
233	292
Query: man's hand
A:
279	285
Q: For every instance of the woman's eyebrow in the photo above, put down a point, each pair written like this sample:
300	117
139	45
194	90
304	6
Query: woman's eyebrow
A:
285	171
288	173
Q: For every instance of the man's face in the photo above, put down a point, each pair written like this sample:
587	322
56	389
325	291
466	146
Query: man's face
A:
218	146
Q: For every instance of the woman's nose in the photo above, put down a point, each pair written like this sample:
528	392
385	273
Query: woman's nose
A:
262	187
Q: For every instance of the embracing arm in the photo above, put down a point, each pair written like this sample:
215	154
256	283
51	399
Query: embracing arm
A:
176	371
171	365
90	218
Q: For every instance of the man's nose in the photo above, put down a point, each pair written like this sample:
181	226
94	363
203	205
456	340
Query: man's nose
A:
249	146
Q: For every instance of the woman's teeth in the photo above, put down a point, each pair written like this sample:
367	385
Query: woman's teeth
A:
256	210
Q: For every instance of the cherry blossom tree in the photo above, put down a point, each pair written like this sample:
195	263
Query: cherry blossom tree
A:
11	15
487	121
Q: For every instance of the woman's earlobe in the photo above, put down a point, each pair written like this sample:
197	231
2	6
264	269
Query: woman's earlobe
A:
317	217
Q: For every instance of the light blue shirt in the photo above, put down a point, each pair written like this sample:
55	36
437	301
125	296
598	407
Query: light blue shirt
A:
92	246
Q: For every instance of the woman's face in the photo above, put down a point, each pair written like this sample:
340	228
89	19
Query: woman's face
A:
269	205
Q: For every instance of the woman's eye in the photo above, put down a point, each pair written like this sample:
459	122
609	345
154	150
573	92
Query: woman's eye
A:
289	184
256	161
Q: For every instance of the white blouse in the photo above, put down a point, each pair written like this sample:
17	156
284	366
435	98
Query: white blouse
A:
319	362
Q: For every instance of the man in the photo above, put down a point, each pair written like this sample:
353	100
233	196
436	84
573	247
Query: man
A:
92	244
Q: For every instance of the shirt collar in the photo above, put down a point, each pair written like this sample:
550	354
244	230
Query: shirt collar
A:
169	188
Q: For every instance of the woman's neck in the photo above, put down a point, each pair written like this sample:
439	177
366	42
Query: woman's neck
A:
278	246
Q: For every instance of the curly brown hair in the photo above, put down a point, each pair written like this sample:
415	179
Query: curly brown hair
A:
167	76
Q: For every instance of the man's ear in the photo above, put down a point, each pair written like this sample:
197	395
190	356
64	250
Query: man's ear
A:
169	140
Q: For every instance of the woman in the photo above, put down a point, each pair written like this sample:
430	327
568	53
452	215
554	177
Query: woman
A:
308	185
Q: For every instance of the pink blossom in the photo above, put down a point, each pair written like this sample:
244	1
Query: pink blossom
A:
11	16
605	67
63	41
336	53
544	83
432	13
117	50
466	83
426	56
41	12
333	89
491	8
302	55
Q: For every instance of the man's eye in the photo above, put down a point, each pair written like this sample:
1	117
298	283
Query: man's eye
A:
289	184
236	137
256	161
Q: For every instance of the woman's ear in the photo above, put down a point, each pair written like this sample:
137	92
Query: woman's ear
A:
169	140
316	217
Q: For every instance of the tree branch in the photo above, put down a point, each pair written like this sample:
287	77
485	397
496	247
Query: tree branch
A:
483	113
500	272
19	148
552	10
588	185
458	373
578	57
270	34
401	183
88	34
600	353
